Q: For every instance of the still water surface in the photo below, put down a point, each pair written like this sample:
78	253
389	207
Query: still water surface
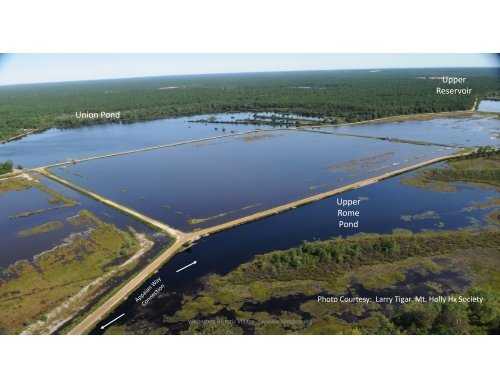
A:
489	106
477	130
58	145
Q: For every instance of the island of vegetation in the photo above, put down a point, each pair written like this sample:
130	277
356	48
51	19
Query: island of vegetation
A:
481	167
42	229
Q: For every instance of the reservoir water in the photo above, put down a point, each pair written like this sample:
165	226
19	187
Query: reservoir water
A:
58	145
489	106
475	130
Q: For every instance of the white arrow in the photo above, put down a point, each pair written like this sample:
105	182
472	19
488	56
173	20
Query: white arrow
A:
185	267
112	321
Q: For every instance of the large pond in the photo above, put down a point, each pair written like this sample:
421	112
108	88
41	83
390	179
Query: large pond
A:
385	206
57	145
476	130
203	184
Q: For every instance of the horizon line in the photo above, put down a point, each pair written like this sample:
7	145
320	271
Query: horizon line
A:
243	72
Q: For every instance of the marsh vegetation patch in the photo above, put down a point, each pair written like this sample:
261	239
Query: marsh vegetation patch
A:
29	291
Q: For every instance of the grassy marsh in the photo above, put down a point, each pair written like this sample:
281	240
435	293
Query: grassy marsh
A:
41	295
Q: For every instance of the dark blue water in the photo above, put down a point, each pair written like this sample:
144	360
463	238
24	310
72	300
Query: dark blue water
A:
200	185
380	213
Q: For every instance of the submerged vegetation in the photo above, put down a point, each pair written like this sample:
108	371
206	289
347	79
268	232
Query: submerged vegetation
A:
42	229
14	184
39	296
203	220
424	215
341	96
21	183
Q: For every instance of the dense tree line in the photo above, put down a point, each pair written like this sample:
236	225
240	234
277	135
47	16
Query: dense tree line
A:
491	176
346	96
487	151
341	254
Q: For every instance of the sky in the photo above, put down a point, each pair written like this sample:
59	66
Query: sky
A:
41	68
